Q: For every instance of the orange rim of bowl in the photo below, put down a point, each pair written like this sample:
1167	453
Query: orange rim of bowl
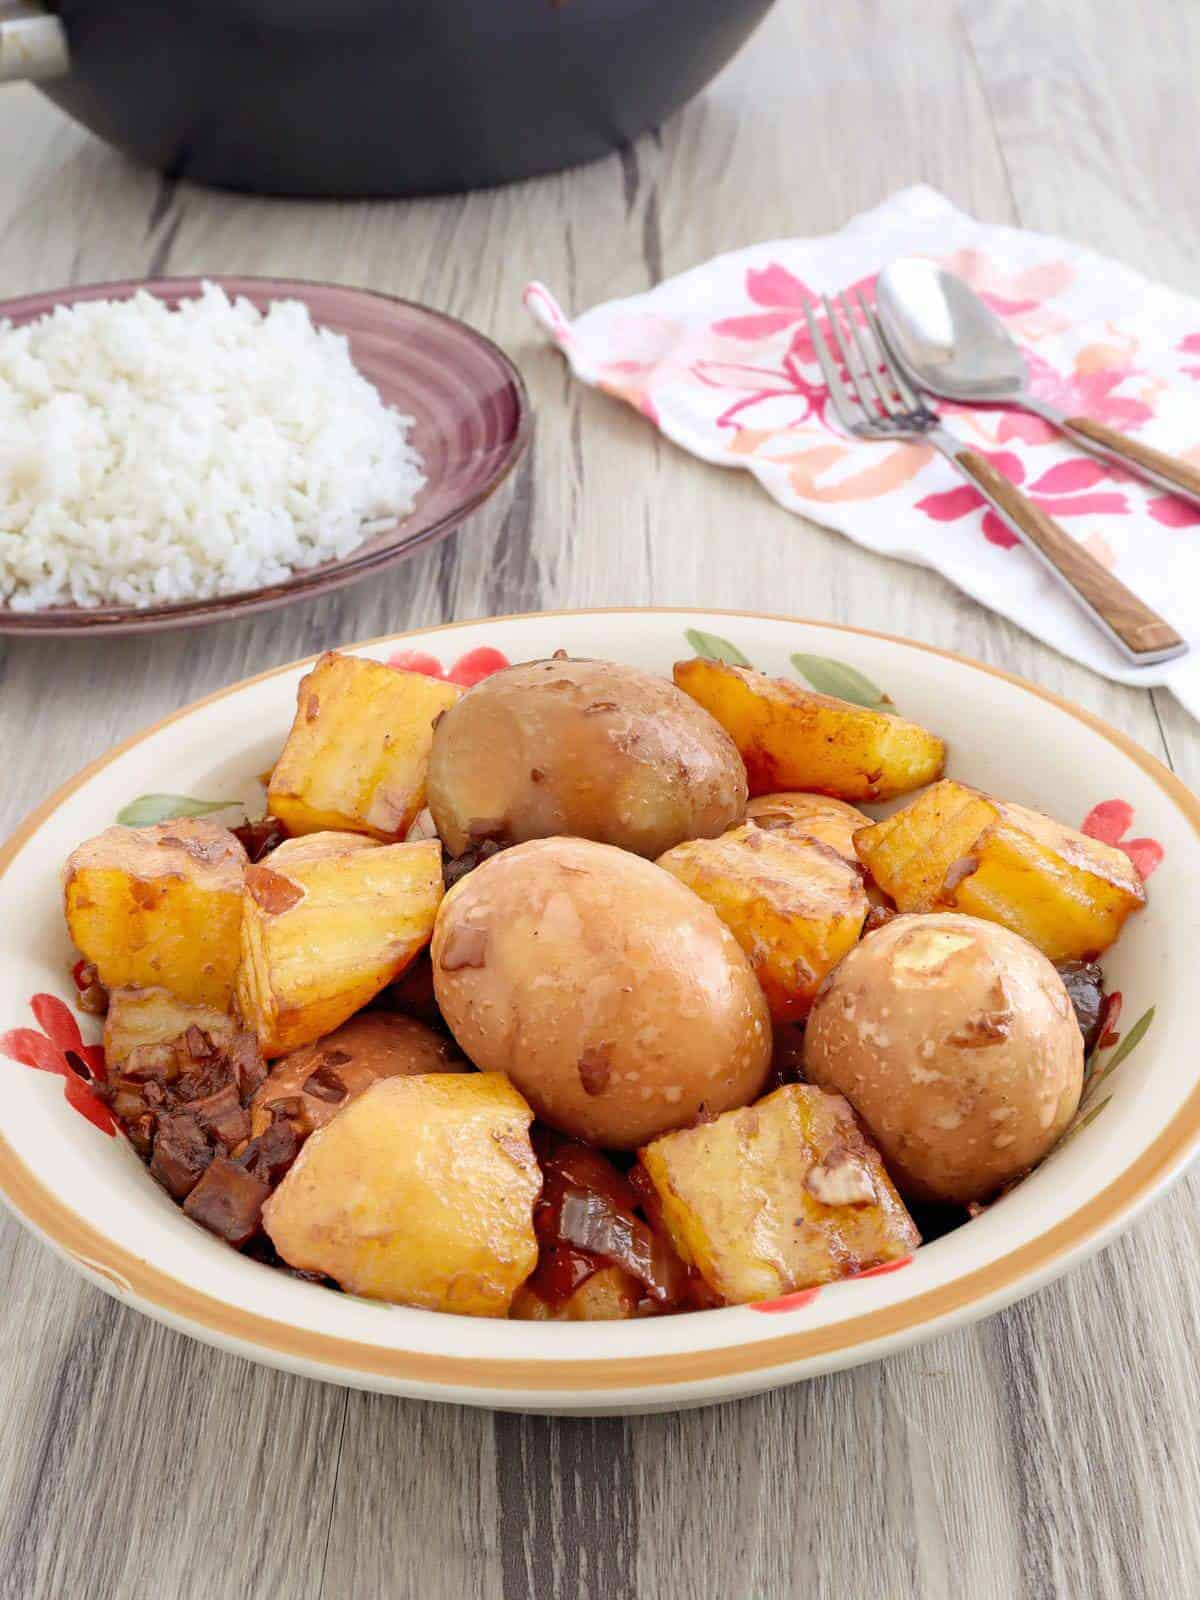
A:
178	1302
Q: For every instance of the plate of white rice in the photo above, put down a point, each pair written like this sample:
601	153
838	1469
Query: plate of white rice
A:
172	452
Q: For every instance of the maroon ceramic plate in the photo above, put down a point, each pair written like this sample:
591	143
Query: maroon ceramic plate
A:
467	399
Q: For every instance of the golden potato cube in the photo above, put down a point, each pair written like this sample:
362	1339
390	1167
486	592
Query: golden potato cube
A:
908	853
159	907
420	1192
811	816
778	1196
318	846
138	1017
954	849
793	738
359	748
609	1295
792	903
323	933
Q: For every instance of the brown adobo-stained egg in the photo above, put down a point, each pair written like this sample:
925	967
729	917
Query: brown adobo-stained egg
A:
616	1000
587	748
955	1041
316	1081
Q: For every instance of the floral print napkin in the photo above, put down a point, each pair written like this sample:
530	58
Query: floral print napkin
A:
721	361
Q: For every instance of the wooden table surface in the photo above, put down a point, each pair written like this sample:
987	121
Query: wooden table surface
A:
1051	1450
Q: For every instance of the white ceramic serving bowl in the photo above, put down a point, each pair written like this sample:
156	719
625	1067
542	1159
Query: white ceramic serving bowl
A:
86	1194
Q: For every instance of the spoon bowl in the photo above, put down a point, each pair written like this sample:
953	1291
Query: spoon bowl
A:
951	342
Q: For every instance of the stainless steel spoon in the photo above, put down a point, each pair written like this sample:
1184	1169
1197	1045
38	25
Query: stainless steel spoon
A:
950	343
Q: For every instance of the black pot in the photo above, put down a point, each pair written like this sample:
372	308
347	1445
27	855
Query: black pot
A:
384	97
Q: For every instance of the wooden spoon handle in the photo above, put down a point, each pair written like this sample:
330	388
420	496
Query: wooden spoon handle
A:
1179	476
1130	622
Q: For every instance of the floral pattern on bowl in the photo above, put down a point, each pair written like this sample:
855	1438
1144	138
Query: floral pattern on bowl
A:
56	1046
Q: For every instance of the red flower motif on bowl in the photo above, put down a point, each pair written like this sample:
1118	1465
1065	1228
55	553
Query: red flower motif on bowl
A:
57	1046
468	670
1109	822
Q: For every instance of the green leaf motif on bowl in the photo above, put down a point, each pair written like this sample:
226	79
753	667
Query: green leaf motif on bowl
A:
1131	1040
841	681
149	808
713	648
1096	1073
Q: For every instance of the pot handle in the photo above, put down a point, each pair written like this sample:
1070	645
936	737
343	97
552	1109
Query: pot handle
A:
33	43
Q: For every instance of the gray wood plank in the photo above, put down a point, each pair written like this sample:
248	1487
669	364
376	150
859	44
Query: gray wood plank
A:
569	1522
417	1509
138	1463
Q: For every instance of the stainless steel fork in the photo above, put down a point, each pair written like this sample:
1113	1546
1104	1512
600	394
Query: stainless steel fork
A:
884	406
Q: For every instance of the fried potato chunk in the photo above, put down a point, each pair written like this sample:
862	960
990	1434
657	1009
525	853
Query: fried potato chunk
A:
138	1017
322	932
793	904
420	1192
318	847
778	1196
811	816
793	738
358	751
159	907
955	849
313	1084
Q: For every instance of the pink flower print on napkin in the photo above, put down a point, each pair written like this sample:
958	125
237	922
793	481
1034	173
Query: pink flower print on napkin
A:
652	350
884	471
795	407
1190	347
785	379
760	385
1172	512
1064	490
1087	391
785	298
782	295
1010	293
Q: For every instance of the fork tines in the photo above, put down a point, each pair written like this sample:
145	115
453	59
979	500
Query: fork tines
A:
885	401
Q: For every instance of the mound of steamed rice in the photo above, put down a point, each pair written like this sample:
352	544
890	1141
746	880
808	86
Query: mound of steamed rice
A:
150	455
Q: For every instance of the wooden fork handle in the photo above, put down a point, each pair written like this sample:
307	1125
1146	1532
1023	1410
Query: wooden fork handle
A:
1168	471
1141	631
